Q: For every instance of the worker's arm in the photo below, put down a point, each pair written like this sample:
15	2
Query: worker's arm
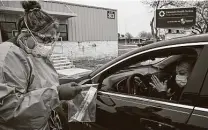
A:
18	107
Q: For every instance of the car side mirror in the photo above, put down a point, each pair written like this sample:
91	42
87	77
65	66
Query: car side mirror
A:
152	59
106	100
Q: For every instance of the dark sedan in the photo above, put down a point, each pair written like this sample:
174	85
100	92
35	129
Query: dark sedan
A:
125	100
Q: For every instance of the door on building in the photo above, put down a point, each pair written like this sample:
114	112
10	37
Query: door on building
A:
6	29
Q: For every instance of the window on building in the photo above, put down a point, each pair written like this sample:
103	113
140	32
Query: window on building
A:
63	32
169	31
6	29
177	31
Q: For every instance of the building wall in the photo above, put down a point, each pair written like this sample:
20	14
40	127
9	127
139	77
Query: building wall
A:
90	34
91	24
9	18
177	32
88	50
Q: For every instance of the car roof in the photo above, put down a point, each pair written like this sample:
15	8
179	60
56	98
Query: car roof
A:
187	39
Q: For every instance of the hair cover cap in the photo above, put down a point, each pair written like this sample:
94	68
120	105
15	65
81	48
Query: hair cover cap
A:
36	19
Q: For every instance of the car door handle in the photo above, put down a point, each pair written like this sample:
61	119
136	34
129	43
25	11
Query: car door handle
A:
155	125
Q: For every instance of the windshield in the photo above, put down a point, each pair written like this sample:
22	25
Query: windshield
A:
168	60
152	61
157	62
147	62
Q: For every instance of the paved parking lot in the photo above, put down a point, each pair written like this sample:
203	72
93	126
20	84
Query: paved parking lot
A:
93	63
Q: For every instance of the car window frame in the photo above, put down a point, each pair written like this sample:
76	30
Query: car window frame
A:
202	95
143	52
203	89
199	71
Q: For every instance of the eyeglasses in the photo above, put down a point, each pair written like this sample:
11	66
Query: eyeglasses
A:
48	38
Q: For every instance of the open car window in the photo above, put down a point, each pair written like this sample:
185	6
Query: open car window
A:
162	64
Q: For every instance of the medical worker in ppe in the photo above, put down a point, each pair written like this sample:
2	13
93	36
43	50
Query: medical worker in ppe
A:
29	85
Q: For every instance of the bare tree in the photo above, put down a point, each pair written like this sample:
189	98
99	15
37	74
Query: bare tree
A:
201	25
128	36
146	35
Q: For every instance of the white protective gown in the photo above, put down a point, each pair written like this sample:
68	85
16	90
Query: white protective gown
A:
28	89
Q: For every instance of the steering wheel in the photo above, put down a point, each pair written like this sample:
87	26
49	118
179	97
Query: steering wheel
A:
137	85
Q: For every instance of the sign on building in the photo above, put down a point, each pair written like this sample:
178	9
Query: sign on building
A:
175	17
110	14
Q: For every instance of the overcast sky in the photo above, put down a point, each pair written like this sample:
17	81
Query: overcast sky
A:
133	16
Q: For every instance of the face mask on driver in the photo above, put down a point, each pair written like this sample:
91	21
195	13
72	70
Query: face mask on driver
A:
181	80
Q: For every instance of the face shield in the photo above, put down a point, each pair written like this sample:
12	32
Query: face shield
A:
46	48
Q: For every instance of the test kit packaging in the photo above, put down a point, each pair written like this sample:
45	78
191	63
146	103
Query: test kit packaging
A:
83	107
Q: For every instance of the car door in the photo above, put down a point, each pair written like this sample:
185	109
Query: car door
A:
199	117
186	115
118	111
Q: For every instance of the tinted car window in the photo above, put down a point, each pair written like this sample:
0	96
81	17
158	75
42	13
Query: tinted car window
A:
190	94
204	95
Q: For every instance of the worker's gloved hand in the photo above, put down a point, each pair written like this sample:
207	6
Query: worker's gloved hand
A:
68	91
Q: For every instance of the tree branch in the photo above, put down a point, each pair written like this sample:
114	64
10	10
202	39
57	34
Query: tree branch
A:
193	32
165	4
198	28
158	3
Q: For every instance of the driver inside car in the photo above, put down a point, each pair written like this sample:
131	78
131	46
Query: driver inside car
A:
172	88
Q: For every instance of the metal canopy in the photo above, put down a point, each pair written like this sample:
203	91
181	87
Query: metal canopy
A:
11	10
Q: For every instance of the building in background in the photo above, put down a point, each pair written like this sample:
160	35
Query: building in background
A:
133	40
176	33
86	31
